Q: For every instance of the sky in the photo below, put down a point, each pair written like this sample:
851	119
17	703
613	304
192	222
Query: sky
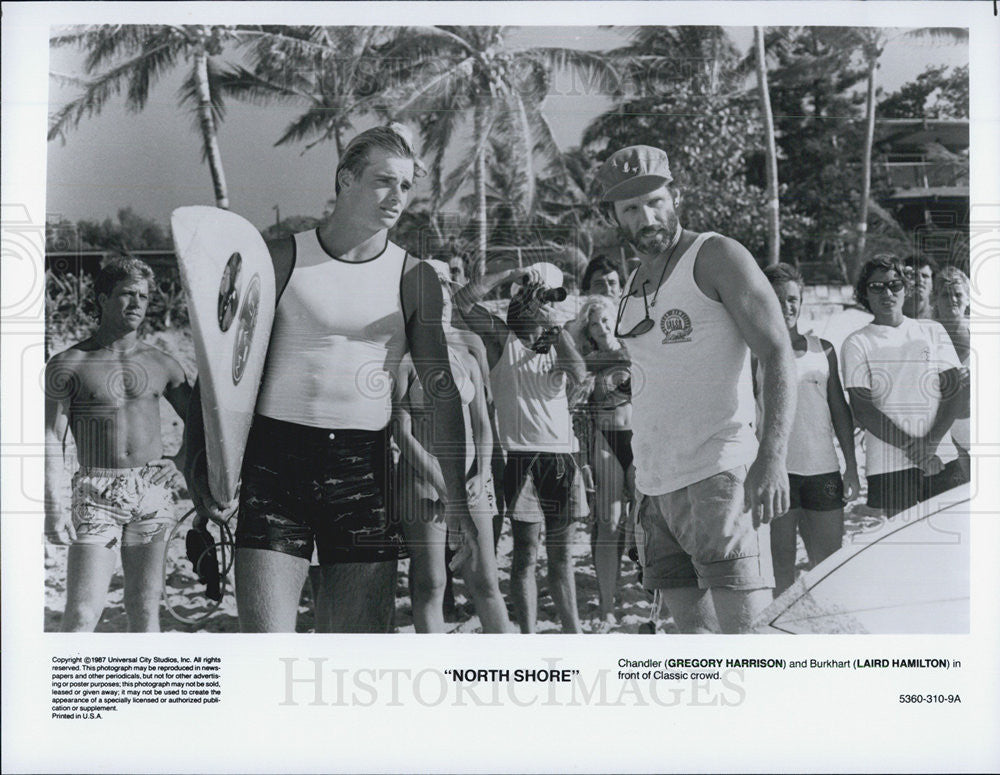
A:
151	161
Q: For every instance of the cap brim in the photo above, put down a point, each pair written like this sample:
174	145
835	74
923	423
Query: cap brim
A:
637	186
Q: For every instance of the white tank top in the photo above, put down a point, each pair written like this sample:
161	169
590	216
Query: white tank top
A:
338	337
692	394
530	399
810	444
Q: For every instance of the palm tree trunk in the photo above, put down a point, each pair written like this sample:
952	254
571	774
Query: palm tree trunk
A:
208	131
480	185
773	223
866	169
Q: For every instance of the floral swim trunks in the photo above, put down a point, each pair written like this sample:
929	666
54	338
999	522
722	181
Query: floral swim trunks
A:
112	504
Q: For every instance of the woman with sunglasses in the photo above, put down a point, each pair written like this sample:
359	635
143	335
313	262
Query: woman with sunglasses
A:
904	380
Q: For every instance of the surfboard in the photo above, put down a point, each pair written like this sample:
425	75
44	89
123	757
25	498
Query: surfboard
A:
228	278
908	575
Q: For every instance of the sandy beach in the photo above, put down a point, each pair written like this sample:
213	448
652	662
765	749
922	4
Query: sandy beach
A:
186	595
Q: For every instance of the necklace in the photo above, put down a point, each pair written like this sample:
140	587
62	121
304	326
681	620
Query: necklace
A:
677	241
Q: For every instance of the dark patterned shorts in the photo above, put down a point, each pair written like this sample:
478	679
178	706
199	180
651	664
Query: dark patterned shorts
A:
820	492
304	485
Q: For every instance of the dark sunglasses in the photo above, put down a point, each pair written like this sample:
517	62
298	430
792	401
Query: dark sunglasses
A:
880	287
643	325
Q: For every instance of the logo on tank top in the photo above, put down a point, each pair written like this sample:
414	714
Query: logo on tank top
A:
676	326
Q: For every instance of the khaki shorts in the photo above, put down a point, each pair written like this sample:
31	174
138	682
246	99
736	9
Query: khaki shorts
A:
701	536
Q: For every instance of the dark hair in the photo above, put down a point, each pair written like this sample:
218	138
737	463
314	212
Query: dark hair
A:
387	138
884	263
777	274
919	261
599	266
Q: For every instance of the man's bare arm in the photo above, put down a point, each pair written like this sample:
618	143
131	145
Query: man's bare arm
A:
178	395
952	399
727	267
873	420
843	422
59	383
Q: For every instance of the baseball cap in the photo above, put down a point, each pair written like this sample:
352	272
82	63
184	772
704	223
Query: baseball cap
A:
633	171
552	276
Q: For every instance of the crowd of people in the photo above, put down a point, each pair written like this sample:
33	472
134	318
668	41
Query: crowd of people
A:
681	408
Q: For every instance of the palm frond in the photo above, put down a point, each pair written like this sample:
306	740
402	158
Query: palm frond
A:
97	91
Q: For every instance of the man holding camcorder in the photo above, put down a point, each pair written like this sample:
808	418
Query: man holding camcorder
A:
530	358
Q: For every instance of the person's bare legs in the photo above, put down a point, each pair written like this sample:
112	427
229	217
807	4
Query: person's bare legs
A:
142	565
608	505
524	588
356	597
484	585
822	533
268	587
692	609
784	547
737	609
425	534
88	574
562	584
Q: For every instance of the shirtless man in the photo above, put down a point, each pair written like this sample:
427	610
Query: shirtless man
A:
107	391
692	313
316	467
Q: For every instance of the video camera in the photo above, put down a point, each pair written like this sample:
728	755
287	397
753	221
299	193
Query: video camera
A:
525	313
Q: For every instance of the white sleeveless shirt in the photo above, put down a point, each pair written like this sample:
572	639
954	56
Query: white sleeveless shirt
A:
810	444
692	393
338	337
530	399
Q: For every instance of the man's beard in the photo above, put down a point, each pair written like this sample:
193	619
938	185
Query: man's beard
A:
653	240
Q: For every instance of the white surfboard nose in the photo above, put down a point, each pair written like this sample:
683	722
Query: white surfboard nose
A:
228	279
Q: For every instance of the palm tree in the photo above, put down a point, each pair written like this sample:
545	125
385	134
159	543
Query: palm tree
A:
773	223
332	71
133	57
658	56
449	76
871	42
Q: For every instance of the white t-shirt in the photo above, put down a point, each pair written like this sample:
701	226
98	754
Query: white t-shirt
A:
900	366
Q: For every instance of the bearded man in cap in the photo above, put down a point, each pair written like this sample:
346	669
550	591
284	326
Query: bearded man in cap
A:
692	313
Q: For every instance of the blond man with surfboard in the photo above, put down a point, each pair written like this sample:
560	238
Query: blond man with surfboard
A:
315	472
106	390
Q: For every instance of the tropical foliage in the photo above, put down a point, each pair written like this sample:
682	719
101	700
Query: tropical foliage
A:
478	100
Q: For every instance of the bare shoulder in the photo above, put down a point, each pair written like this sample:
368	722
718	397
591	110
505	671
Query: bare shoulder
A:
721	252
166	361
724	267
72	356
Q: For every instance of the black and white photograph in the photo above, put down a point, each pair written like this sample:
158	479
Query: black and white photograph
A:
502	319
683	465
